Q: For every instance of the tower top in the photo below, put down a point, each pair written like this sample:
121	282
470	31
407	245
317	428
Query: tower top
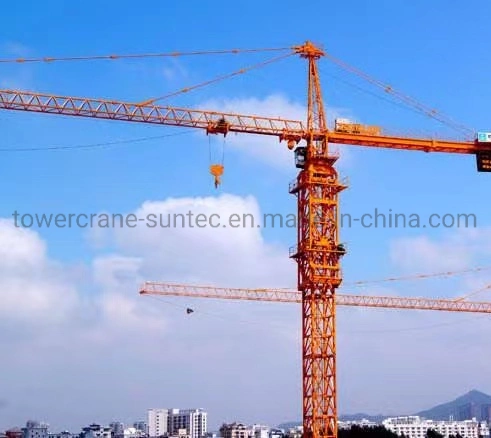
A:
309	50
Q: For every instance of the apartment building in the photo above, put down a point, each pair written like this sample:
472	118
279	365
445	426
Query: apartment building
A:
190	423
416	427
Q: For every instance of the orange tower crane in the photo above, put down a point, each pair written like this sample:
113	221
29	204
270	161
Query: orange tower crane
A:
293	296
318	251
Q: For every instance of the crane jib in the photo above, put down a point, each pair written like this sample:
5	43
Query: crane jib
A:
291	131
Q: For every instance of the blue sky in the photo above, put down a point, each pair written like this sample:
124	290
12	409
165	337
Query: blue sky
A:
432	52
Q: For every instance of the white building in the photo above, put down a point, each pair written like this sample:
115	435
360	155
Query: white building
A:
96	431
117	429
194	421
362	423
35	429
142	426
295	432
416	427
276	433
64	434
260	431
235	430
191	423
158	422
133	432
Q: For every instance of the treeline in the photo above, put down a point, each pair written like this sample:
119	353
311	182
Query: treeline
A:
367	432
382	432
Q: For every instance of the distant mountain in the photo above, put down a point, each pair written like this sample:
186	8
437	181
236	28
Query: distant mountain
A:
289	425
473	404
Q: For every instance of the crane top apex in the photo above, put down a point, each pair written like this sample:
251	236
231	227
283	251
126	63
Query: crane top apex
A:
309	50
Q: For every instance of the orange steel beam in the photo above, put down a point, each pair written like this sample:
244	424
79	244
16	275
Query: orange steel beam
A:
408	143
146	113
292	296
284	129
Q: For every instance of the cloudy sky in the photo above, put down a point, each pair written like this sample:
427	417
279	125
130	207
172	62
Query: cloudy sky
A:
81	345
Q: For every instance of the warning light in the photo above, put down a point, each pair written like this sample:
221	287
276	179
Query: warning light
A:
483	160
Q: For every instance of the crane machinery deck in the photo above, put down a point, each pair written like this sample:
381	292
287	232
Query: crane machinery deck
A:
317	188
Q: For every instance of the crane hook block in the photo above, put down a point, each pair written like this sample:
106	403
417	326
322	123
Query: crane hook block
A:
217	171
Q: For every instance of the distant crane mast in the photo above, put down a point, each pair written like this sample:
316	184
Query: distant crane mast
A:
318	251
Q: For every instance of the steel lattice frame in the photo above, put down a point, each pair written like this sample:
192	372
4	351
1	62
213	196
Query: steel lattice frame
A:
319	273
293	296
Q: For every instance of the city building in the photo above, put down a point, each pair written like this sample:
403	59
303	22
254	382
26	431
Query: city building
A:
158	422
96	431
235	430
117	429
276	433
194	421
416	427
14	433
191	423
133	432
295	432
259	431
35	429
64	434
361	423
141	426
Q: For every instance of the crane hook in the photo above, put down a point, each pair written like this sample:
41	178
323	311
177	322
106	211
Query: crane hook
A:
217	171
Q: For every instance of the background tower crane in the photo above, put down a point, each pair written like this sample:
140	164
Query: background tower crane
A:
292	296
317	186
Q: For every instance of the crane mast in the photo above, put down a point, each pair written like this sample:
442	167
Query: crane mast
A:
319	273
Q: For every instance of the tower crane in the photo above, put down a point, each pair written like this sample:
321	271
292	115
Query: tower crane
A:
293	296
318	252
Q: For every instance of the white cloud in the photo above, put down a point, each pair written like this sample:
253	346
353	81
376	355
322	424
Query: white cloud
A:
32	288
232	253
452	251
422	253
41	294
20	245
122	310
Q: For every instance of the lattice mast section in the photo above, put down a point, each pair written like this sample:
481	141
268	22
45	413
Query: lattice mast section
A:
317	254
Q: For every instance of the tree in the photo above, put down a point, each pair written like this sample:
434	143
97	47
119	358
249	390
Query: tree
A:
430	433
366	432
